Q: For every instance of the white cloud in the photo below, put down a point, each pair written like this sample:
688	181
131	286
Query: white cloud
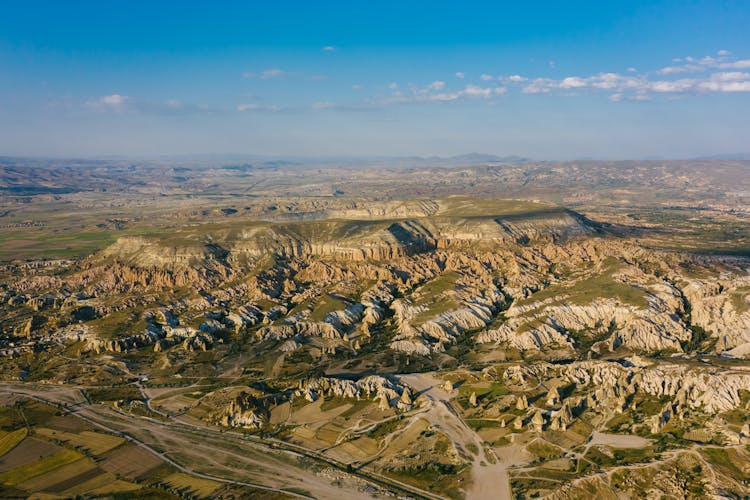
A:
272	73
638	87
324	105
618	97
266	74
430	94
733	81
474	91
573	82
697	65
672	86
730	76
174	104
701	77
121	103
537	86
358	86
112	102
258	107
713	86
741	64
328	48
552	64
602	81
672	70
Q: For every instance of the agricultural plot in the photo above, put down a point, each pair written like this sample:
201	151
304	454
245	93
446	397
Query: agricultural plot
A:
129	461
9	440
100	484
47	481
193	485
26	452
95	443
50	462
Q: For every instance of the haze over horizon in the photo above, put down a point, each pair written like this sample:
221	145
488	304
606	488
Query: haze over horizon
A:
664	79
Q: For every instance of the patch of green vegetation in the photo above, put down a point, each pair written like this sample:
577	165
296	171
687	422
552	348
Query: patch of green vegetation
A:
544	450
529	325
145	494
495	390
648	405
11	440
477	424
357	406
332	403
600	285
35	413
298	357
741	305
8	415
619	423
327	304
432	295
125	393
554	474
739	415
465	206
688	473
42	242
620	456
697	336
384	429
583	340
333	229
523	486
119	324
726	460
438	477
46	464
436	287
440	305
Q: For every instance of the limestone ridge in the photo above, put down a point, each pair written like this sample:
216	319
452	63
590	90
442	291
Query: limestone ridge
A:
389	393
355	240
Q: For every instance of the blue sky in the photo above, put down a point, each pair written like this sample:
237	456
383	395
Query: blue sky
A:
547	80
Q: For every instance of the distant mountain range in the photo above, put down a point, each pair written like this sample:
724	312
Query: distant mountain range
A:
725	156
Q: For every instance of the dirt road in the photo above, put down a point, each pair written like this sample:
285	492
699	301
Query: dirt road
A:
490	478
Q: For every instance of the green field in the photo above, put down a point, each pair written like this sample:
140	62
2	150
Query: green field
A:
9	440
46	464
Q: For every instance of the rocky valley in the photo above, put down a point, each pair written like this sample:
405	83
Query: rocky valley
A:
400	330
